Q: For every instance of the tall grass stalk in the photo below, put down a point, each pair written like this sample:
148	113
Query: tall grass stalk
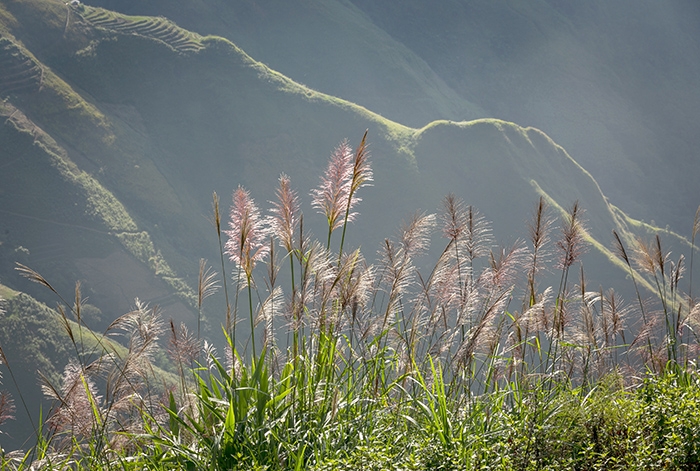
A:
230	322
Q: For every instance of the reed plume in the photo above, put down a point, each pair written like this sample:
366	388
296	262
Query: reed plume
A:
355	289
614	314
482	329
127	375
336	196
398	270
621	252
539	231
571	246
183	347
478	237
572	243
653	260
247	234
270	309
454	218
415	236
506	264
332	197
286	215
142	328
207	285
356	281
646	256
361	176
79	410
7	407
468	234
315	271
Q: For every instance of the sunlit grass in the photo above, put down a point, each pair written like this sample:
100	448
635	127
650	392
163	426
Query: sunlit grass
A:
358	365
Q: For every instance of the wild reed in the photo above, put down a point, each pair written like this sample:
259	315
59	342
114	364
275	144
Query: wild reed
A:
473	364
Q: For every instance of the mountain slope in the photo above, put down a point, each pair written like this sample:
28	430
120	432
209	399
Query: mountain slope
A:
328	45
137	133
111	153
613	84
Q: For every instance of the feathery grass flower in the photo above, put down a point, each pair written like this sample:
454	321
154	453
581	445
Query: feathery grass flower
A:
572	243
77	399
337	194
286	213
247	243
332	197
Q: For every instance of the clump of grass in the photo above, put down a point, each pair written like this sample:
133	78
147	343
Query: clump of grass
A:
349	364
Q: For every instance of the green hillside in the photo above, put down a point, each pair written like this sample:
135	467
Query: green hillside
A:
115	130
613	84
330	46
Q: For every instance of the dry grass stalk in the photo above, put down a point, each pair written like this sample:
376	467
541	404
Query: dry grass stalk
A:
539	231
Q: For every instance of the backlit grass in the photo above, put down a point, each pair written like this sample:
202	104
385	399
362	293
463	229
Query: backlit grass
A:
333	362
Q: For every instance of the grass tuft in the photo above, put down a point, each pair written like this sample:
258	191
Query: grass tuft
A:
472	363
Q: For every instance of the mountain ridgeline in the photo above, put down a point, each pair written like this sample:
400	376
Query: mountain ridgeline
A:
115	130
614	84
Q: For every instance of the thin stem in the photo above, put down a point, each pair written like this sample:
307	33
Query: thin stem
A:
252	323
217	221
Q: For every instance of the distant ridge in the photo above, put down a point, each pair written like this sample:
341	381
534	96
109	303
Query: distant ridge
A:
160	29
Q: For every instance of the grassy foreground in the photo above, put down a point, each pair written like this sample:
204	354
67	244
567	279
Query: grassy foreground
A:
474	364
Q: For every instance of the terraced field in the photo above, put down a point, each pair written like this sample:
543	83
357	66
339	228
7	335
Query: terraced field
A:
19	73
160	29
